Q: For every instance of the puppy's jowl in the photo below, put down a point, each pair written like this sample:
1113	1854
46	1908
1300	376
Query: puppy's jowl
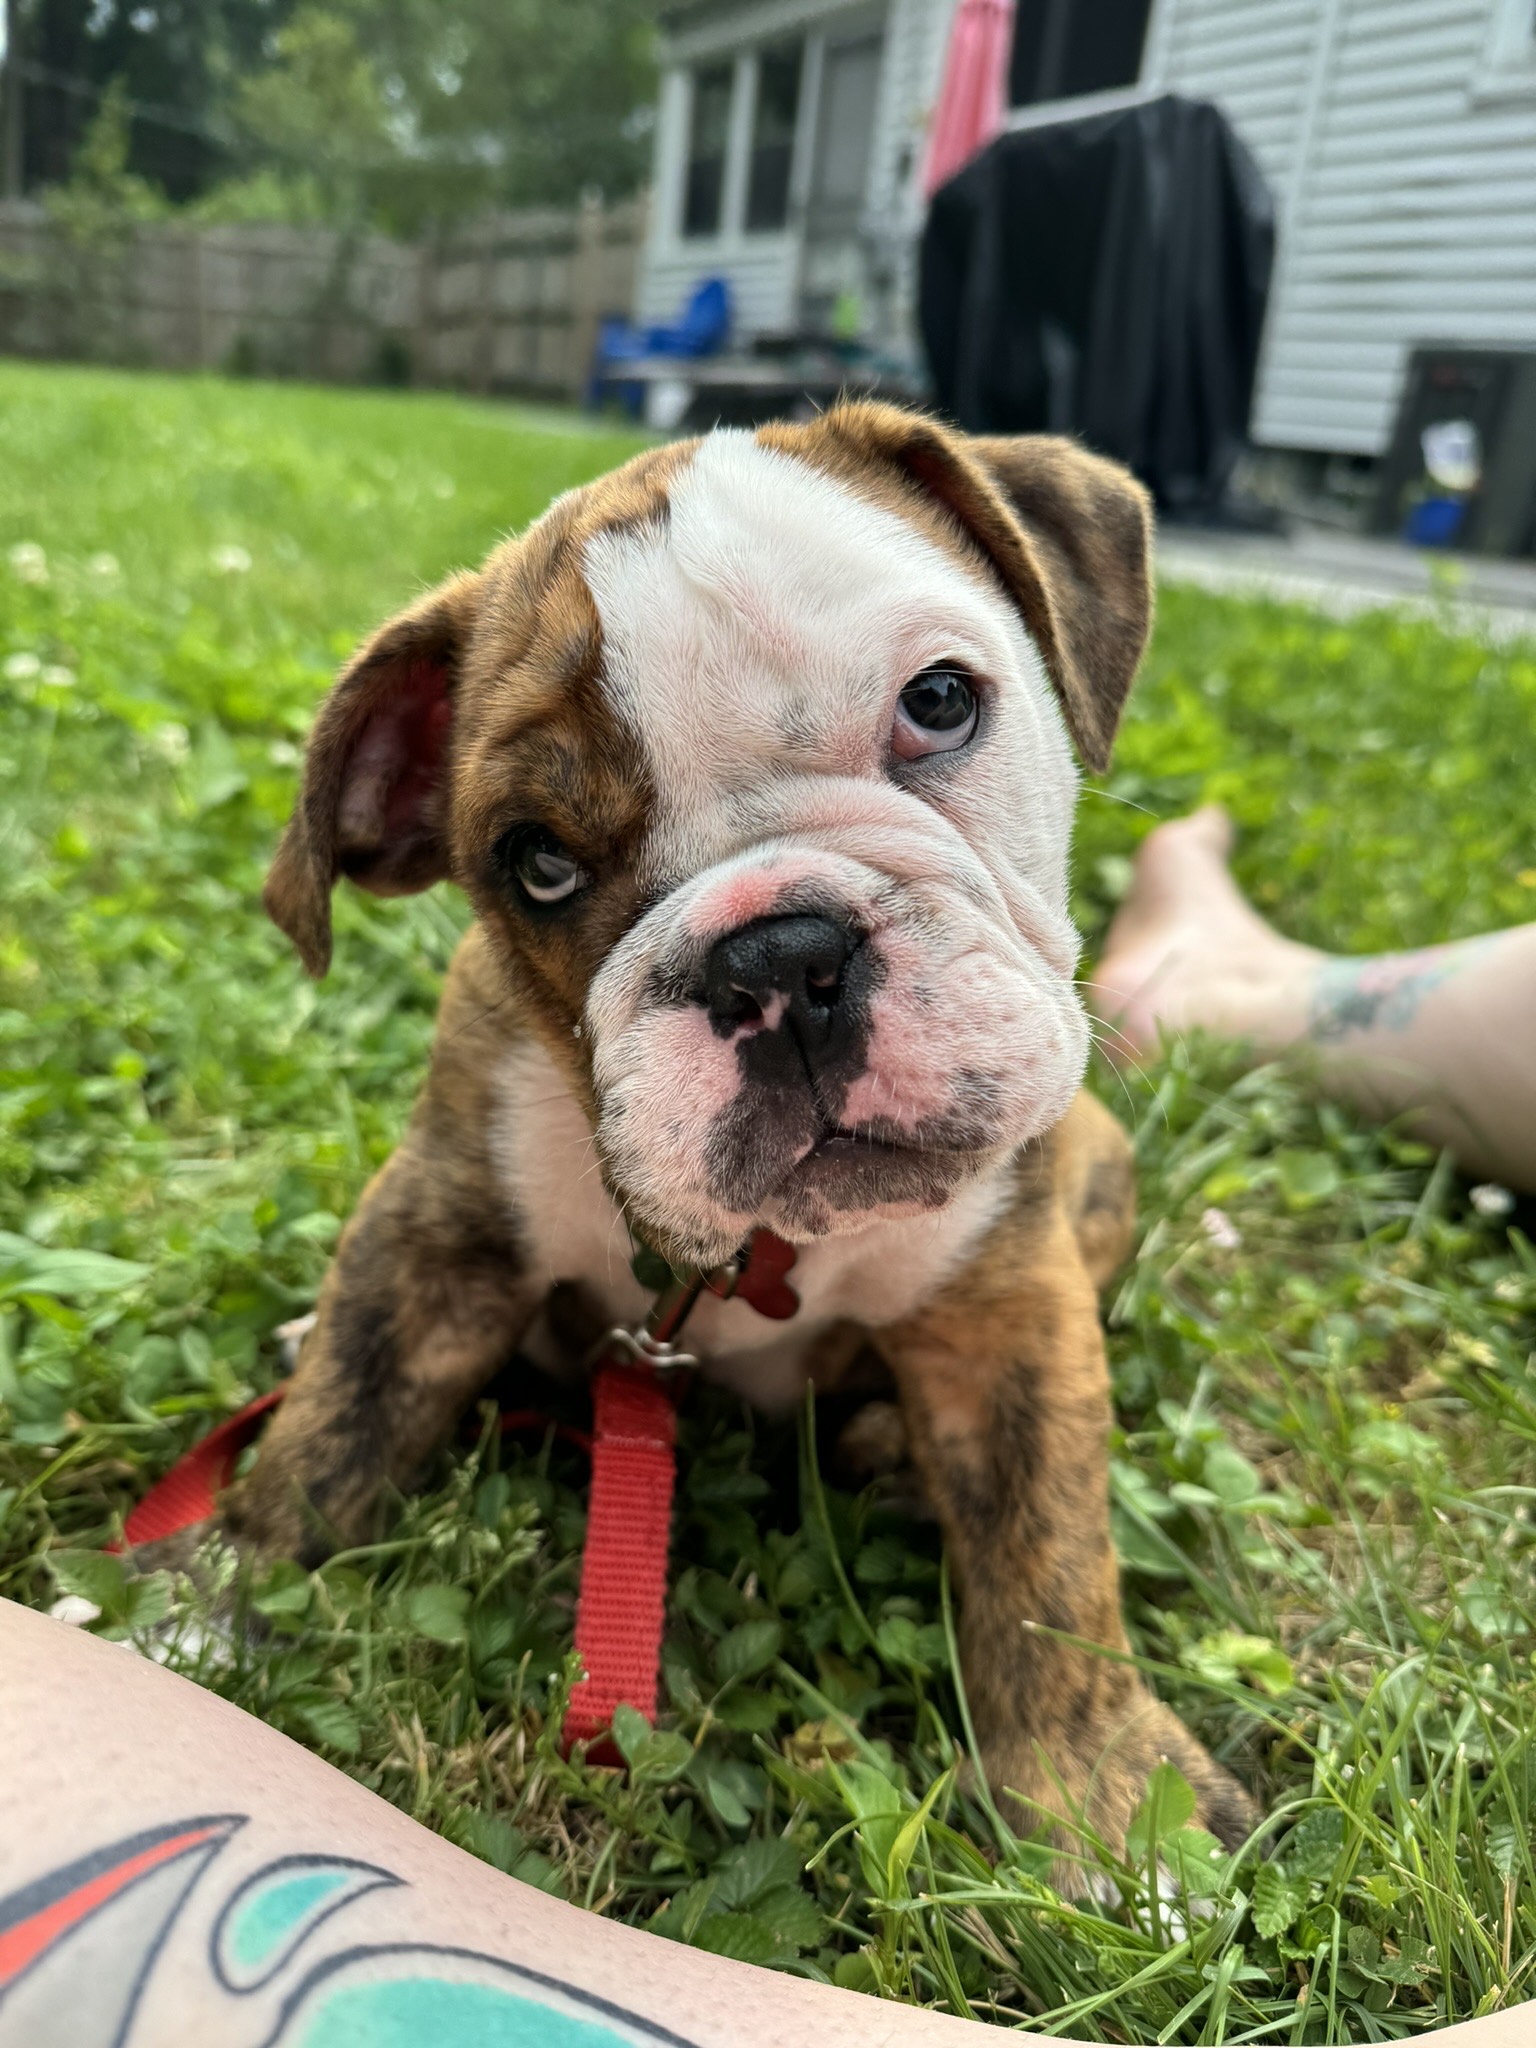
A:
755	761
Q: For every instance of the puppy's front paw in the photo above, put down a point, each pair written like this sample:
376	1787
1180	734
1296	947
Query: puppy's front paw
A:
1084	1789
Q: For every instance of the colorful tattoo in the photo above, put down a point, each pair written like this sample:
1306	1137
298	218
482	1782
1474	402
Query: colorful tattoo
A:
78	1949
1383	992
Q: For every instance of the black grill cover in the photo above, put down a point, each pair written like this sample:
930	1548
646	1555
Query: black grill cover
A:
1106	276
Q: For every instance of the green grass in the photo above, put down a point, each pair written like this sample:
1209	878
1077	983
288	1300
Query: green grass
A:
1327	1453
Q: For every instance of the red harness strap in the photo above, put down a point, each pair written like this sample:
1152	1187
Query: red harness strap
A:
187	1493
622	1604
621	1607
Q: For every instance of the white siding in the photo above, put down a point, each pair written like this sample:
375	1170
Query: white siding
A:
1406	182
1254	60
1416	222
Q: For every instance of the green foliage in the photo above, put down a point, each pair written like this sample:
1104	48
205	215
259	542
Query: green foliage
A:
103	196
400	114
319	109
508	102
1326	1452
174	61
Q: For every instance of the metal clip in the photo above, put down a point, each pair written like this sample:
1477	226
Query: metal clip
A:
639	1347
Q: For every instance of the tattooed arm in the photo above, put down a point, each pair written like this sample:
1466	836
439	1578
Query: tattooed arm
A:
171	1871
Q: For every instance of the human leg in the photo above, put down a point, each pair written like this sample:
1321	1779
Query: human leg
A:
1445	1035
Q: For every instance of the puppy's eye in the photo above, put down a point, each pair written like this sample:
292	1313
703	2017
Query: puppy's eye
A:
935	713
544	871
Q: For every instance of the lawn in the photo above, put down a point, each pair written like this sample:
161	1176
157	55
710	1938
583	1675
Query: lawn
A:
1325	1466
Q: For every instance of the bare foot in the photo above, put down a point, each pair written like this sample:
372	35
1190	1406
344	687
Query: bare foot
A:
1187	949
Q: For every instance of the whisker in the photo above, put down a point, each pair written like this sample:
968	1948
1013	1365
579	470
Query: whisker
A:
500	1003
1110	797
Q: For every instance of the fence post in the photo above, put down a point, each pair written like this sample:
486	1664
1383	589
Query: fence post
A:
587	280
424	370
485	326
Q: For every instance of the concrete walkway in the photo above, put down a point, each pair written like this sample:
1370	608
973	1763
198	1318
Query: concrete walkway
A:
1343	573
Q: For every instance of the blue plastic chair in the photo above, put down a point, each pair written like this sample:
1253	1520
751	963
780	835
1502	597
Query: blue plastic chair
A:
701	329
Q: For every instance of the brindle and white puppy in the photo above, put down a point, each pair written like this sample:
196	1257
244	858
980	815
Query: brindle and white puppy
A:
753	759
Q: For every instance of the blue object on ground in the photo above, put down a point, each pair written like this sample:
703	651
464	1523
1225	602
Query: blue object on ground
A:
1435	522
701	329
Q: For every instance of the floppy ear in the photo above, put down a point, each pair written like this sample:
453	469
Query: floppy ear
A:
375	797
1068	533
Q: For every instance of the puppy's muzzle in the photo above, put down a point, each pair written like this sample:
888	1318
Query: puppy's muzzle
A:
788	989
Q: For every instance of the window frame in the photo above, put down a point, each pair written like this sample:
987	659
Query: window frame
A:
1053	52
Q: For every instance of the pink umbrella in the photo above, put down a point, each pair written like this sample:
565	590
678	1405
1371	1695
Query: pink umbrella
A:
974	96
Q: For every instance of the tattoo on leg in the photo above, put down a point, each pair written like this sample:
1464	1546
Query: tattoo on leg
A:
79	1946
1382	992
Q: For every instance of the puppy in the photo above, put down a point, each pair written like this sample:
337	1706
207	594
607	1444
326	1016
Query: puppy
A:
753	759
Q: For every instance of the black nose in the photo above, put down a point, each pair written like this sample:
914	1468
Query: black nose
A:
781	971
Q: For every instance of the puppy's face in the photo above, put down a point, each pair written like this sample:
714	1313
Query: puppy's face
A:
754	761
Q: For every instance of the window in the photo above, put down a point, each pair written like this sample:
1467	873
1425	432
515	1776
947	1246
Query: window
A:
773	137
850	81
1508	64
1063	48
709	124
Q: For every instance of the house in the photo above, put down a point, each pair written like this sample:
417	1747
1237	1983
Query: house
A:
1398	137
788	146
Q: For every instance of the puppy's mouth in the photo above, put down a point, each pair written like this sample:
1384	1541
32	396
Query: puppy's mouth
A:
860	1159
838	1146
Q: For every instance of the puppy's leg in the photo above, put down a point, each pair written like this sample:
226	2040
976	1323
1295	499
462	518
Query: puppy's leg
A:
427	1298
1096	1181
1006	1390
423	1304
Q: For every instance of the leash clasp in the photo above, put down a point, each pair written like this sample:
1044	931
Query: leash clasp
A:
640	1347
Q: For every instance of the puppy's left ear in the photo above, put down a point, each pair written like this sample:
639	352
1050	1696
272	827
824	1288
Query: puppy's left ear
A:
1069	533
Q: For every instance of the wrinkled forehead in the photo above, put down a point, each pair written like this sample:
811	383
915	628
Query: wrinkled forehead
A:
767	611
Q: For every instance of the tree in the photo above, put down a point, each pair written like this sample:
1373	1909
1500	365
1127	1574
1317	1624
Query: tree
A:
408	111
517	101
176	61
319	112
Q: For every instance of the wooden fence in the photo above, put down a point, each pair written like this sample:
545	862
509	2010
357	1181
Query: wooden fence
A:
511	303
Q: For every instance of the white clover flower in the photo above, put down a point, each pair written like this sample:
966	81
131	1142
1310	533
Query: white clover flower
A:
74	1610
1492	1201
21	668
104	565
57	677
28	562
173	742
1221	1230
231	560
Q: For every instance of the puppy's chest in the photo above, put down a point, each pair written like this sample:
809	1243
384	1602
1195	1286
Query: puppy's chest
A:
571	1231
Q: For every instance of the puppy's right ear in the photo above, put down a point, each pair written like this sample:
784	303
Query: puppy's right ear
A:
374	805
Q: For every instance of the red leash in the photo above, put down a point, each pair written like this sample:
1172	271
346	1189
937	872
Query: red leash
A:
621	1607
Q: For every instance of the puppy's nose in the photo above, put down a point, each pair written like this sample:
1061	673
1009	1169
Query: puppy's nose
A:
781	969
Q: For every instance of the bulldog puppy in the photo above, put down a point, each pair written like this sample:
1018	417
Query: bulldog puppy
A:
753	759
